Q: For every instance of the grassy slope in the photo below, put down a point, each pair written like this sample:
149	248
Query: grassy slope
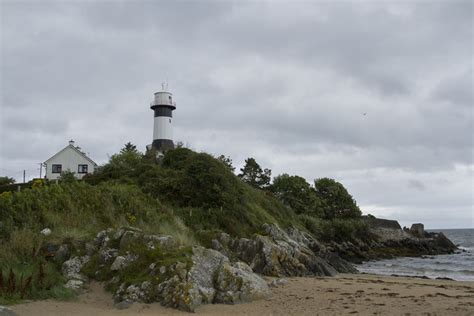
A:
190	196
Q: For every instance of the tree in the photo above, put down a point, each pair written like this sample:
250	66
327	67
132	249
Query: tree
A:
128	158
336	201
298	194
129	148
253	174
227	161
6	180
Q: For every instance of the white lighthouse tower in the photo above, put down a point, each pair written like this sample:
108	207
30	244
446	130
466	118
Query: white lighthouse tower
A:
163	107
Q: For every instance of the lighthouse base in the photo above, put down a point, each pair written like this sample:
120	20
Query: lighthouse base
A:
161	145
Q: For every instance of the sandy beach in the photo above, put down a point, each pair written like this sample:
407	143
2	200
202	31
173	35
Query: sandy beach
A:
342	295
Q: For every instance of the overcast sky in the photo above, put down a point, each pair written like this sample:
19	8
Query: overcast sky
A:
285	82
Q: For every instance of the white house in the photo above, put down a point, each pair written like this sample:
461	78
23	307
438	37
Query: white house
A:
71	158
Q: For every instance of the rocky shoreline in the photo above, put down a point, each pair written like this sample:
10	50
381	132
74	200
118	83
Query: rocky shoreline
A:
149	268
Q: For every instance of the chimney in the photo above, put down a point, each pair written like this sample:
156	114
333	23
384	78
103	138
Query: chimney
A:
71	142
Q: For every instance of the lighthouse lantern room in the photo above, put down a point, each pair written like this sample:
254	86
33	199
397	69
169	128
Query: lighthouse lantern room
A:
163	107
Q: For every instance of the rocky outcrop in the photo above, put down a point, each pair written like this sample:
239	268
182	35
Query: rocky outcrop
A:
388	240
155	268
200	276
283	253
211	279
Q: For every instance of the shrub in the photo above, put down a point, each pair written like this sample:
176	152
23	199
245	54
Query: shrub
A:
336	201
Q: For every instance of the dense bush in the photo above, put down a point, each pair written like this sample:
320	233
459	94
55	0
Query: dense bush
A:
298	194
336	201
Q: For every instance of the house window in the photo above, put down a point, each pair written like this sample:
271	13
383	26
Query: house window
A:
82	169
57	168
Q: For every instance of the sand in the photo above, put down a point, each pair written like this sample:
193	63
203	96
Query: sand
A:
342	295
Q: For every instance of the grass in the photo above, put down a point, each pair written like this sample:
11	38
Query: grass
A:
36	279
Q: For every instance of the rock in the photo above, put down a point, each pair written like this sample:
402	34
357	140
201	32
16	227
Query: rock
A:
121	262
278	282
279	253
417	230
237	283
123	304
212	278
5	311
129	239
71	268
162	269
62	254
163	242
102	238
178	294
106	255
74	284
118	264
206	262
46	232
341	265
444	243
90	248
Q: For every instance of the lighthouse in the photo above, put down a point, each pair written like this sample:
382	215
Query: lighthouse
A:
163	107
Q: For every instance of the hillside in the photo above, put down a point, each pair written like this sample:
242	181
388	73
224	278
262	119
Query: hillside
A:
164	230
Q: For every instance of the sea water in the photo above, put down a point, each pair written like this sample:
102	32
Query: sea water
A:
458	266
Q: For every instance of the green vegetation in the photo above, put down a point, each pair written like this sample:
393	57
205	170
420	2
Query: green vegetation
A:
190	196
295	192
253	174
6	180
337	202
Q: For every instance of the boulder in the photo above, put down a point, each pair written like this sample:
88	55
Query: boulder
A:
236	283
206	262
212	278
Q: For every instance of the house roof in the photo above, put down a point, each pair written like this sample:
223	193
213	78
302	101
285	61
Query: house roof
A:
77	150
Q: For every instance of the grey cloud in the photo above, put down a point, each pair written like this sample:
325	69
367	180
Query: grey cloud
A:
286	83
